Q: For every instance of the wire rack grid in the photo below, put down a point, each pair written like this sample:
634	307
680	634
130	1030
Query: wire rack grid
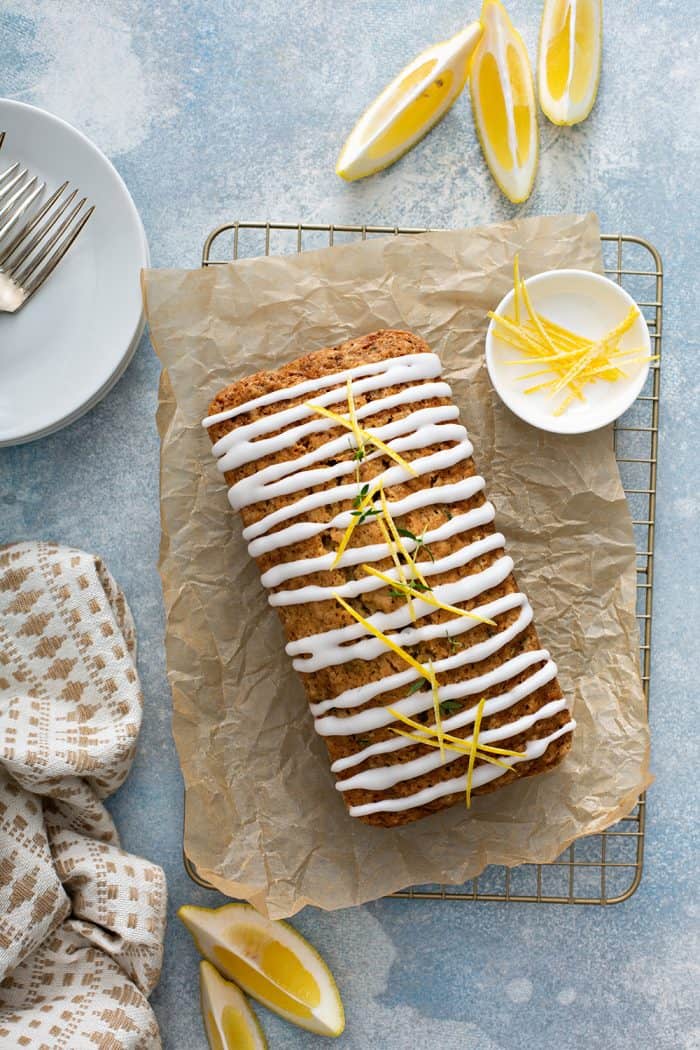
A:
604	868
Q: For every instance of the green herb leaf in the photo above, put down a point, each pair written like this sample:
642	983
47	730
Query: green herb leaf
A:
360	495
363	515
415	687
448	707
363	740
418	540
407	534
427	550
418	585
448	513
396	593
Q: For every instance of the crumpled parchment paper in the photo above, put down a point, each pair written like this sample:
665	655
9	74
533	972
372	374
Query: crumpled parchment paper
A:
263	820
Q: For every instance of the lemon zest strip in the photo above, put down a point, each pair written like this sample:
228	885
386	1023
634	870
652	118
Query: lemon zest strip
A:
352	415
428	598
458	740
363	504
417	574
435	690
397	562
475	741
367	436
423	671
457	750
535	316
510	326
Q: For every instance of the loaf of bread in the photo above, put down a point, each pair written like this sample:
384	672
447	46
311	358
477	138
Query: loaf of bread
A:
303	452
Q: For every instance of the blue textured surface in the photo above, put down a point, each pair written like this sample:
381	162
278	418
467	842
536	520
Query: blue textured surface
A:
237	109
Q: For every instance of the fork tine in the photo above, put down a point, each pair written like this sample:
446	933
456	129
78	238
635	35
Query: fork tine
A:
23	207
53	261
19	178
45	247
9	171
28	227
8	206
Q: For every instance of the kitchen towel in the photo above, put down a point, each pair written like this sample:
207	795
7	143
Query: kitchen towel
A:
81	921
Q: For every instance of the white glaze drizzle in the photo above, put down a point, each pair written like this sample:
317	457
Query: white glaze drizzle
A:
392	476
483	774
459	523
242	451
376	717
456	560
489	736
424	427
453	493
280	430
381	779
453	628
329	649
309	386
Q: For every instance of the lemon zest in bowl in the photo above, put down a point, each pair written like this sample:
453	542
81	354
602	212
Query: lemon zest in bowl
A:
571	360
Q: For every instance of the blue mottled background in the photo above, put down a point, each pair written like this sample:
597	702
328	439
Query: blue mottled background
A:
237	109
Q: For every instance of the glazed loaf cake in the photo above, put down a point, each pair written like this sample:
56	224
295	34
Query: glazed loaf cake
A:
299	478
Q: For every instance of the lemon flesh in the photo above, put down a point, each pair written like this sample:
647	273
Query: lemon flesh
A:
229	1022
271	962
503	103
409	106
568	67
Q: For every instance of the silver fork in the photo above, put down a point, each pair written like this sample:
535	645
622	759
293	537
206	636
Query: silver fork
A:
37	246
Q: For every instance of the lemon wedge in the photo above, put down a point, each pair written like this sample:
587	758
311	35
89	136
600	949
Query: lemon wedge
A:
409	107
229	1022
568	66
503	101
271	962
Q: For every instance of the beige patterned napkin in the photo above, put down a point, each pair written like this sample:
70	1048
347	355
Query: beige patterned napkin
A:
81	922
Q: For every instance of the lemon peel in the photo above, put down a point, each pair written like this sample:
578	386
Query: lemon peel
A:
458	741
409	107
400	545
569	59
503	103
270	961
475	739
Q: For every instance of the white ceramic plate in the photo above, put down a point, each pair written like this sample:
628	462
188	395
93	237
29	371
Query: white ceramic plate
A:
61	353
591	306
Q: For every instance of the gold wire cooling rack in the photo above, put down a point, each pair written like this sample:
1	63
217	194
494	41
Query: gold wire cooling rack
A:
599	869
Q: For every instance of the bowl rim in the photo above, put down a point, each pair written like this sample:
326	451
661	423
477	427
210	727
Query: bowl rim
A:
591	420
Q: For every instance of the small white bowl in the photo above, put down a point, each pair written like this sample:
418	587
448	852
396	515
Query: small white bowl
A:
591	306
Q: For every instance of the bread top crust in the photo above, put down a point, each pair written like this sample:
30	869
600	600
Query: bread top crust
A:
310	618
